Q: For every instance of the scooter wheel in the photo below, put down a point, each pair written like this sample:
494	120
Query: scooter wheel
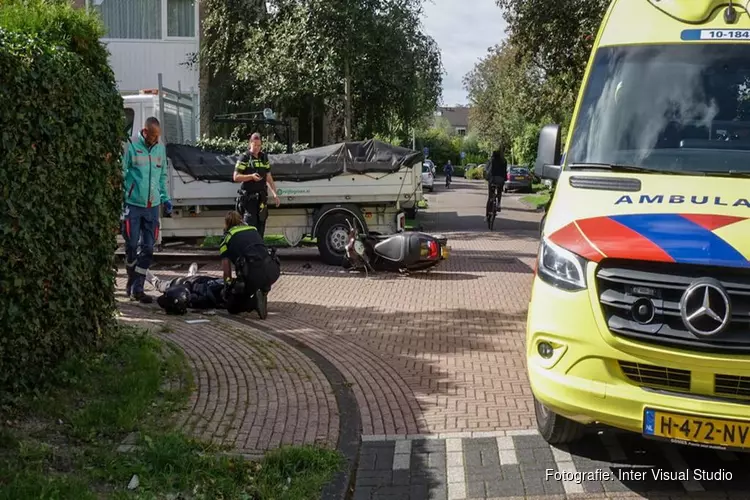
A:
261	304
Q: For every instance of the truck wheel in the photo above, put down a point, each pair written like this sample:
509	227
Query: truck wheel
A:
554	428
332	237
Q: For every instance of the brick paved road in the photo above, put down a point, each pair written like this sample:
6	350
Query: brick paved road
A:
252	392
432	352
442	353
520	465
445	346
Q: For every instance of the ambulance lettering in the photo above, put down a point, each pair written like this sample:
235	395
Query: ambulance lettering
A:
677	199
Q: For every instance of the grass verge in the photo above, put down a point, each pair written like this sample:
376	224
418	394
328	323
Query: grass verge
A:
61	442
536	200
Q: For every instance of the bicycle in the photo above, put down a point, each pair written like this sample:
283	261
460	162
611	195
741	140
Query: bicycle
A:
492	215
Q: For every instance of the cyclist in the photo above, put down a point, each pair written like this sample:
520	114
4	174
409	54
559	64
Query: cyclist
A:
495	173
448	173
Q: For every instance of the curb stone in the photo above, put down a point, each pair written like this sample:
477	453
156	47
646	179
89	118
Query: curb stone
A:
350	424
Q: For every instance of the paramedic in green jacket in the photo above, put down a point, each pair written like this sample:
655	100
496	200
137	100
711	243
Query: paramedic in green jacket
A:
145	170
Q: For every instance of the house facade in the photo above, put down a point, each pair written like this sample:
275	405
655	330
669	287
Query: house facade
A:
457	118
148	37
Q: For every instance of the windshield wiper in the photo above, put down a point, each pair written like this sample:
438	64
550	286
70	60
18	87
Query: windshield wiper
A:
725	173
615	167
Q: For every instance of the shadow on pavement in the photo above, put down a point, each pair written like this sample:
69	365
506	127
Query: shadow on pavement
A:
636	465
531	210
381	473
453	221
407	338
453	269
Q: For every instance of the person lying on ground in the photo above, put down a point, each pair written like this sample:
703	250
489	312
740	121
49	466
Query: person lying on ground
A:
193	291
202	292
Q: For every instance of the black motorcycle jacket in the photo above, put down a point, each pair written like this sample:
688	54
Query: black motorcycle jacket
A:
205	292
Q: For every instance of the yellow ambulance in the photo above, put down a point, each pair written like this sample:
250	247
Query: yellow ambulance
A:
640	311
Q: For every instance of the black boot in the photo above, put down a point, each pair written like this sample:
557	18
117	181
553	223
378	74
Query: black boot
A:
143	298
131	280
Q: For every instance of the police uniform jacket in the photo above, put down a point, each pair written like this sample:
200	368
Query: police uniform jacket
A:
248	165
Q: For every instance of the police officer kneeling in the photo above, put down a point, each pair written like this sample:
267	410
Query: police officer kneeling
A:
256	268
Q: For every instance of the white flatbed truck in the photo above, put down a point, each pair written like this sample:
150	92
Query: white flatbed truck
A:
316	209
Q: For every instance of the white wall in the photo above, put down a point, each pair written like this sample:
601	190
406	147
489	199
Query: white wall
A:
137	64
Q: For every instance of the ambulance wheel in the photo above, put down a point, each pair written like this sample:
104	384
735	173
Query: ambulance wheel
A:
556	429
261	304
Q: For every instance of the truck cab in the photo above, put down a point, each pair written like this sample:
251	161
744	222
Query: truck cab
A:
639	317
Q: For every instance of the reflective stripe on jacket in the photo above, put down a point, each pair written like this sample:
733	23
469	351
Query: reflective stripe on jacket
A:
145	172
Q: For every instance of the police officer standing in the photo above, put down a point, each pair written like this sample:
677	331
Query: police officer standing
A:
253	170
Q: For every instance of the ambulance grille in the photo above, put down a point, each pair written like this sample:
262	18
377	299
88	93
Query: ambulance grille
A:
731	385
621	283
656	376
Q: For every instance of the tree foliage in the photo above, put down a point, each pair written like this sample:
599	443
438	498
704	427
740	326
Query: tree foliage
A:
299	53
533	77
226	24
61	186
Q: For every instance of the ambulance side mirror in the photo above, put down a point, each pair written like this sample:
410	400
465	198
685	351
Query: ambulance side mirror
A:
548	153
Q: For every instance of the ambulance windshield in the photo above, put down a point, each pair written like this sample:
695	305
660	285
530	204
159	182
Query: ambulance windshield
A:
667	107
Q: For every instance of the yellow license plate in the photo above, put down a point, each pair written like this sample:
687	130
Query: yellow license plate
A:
445	252
701	431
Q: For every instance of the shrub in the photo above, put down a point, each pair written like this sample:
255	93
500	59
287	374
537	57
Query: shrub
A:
459	172
61	186
233	146
475	173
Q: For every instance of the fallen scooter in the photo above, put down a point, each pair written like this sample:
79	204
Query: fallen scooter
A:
402	252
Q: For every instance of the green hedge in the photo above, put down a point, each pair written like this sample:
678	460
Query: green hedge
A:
232	146
61	198
475	173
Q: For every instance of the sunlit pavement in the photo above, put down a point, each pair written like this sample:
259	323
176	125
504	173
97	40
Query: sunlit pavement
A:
434	363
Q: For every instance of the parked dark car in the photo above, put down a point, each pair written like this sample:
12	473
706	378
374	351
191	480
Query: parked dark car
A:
519	179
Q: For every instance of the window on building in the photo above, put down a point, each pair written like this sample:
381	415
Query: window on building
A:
461	131
133	19
181	18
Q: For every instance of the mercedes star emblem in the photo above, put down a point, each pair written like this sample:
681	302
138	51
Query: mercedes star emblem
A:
705	308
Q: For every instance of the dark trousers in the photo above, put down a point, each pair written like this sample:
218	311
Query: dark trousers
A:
259	274
140	231
255	213
495	189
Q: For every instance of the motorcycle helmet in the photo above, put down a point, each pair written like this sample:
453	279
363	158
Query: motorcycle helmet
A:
175	300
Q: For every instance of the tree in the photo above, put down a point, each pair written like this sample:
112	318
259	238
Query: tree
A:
533	78
556	36
225	25
363	61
